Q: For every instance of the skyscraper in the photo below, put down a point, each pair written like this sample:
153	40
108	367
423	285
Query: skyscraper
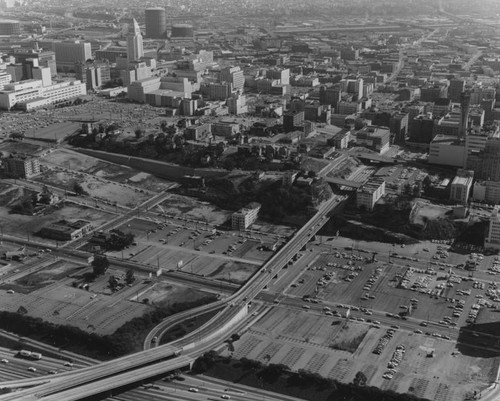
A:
465	107
135	49
156	22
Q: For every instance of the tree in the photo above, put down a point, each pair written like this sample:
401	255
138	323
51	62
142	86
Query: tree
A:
45	196
229	163
273	372
139	133
129	276
78	189
24	206
360	379
99	265
112	282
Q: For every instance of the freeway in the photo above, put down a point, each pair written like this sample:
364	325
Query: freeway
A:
143	365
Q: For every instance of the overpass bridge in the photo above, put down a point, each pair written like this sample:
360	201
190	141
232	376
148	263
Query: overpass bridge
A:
375	157
140	366
342	182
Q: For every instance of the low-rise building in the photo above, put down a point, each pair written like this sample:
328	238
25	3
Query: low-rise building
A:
65	230
374	138
321	151
245	217
486	191
30	94
369	194
461	186
447	150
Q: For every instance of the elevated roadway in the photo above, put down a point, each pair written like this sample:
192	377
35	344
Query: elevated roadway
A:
342	182
149	363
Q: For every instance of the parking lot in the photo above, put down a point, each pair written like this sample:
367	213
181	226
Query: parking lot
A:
195	248
426	366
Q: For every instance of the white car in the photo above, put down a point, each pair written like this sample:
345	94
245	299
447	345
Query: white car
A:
225	397
4	360
32	369
193	389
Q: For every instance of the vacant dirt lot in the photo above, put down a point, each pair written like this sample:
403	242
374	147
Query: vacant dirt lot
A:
51	295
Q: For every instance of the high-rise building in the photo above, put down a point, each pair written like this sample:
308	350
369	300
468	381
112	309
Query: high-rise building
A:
233	75
135	49
5	78
457	86
21	165
398	125
349	53
491	160
354	86
292	119
237	104
219	91
94	74
331	96
182	31
432	92
45	59
464	105
156	23
283	75
421	129
492	239
68	53
10	27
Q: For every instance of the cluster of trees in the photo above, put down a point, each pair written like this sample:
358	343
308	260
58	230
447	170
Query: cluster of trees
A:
29	202
279	202
166	145
113	282
23	206
117	240
303	384
100	265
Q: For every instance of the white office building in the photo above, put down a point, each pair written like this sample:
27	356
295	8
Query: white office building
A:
245	217
369	194
492	240
135	50
31	94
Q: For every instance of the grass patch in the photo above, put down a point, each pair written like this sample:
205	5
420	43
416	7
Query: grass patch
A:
186	327
349	345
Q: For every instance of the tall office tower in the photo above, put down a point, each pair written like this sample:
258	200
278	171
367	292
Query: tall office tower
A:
70	52
10	27
465	107
135	49
331	96
233	75
457	86
421	129
282	74
156	22
45	59
491	160
292	119
354	86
